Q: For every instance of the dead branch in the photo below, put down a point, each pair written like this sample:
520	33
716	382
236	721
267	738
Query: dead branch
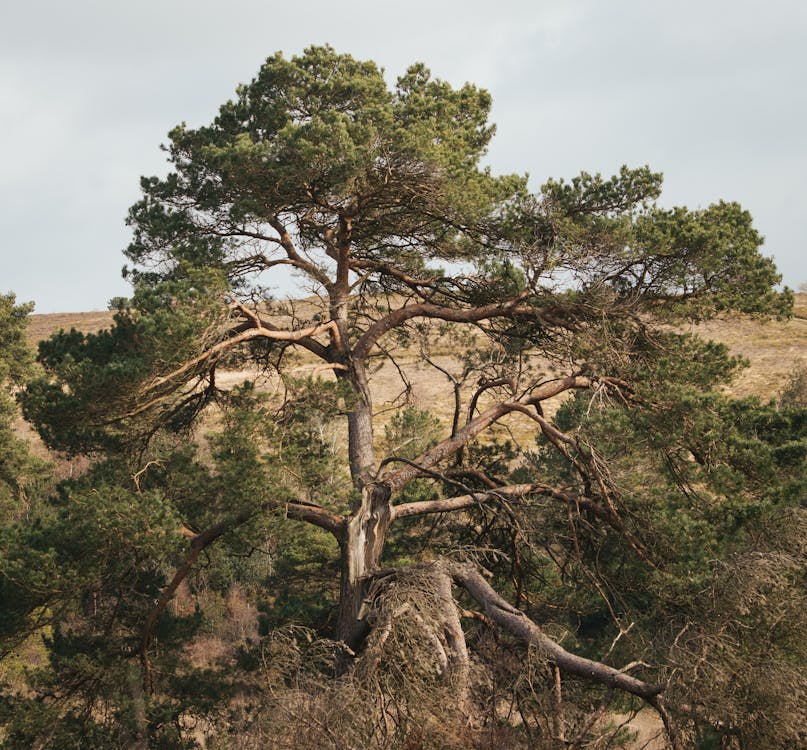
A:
446	505
519	625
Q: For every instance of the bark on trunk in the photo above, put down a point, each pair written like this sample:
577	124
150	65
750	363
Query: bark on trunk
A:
360	428
362	545
366	529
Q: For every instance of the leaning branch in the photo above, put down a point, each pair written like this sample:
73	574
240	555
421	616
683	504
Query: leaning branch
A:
511	492
301	511
287	244
515	622
214	351
198	543
256	321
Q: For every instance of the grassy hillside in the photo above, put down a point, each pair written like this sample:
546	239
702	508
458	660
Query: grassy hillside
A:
773	349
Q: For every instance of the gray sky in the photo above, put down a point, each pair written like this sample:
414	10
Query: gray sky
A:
711	93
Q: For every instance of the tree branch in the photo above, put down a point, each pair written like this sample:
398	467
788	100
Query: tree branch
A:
214	351
519	625
444	449
318	516
291	251
198	543
510	492
314	346
513	307
308	512
448	504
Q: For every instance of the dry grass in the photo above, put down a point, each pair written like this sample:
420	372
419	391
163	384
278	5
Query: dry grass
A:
42	326
774	349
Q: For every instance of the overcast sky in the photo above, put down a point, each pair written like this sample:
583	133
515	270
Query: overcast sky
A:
712	93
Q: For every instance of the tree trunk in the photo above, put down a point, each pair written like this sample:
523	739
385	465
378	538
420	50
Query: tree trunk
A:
362	545
365	532
360	427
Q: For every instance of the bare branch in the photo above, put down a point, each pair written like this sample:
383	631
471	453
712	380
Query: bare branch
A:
519	625
291	251
486	385
456	385
256	321
504	493
318	516
240	338
446	505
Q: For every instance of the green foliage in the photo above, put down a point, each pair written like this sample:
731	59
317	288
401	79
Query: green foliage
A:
125	369
410	432
715	250
22	477
315	136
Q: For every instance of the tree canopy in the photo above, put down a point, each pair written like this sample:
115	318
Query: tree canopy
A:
622	536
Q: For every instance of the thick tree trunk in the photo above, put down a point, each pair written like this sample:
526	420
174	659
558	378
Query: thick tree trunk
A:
366	529
362	545
360	427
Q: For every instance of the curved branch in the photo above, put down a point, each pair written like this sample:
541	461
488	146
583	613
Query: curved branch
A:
256	321
240	338
318	516
308	512
447	447
414	283
311	269
515	622
486	385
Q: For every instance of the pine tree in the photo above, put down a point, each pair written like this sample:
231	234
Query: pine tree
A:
607	530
